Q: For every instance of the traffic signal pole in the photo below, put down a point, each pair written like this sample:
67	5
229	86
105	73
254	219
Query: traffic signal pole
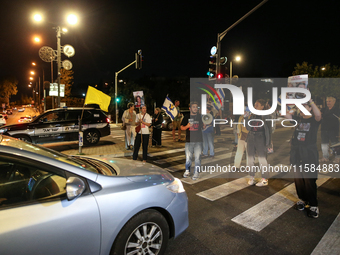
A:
221	35
138	62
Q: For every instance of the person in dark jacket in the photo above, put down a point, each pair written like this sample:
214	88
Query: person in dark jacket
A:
329	128
157	120
304	157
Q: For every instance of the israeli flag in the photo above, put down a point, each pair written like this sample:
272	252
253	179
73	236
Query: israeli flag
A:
221	94
169	108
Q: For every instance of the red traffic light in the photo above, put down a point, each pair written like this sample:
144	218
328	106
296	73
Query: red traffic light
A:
219	76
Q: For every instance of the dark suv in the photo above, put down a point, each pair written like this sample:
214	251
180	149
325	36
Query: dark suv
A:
59	125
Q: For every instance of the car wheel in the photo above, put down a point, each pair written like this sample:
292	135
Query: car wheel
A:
25	138
91	137
170	126
145	233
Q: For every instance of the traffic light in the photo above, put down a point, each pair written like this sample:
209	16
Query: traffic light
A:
212	67
117	99
221	73
139	59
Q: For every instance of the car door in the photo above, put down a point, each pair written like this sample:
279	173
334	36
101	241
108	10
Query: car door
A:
49	127
36	217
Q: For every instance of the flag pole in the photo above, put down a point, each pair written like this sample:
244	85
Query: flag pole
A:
80	132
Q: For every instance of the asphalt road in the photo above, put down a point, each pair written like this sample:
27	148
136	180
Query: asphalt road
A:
229	217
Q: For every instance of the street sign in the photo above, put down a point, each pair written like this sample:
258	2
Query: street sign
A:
80	138
54	89
67	64
68	50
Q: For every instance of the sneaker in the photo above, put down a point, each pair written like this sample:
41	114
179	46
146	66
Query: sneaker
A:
300	205
186	174
263	182
195	176
251	181
313	212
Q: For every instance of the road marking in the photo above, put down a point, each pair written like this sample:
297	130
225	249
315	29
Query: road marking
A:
265	212
165	152
330	242
207	175
177	158
224	189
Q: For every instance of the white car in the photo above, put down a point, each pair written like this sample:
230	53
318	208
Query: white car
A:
2	120
21	109
25	119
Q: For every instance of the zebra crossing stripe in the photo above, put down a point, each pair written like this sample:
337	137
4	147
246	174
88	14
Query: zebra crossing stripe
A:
224	189
208	175
330	242
177	158
265	212
165	152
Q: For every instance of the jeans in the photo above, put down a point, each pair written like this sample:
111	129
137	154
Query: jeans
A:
190	150
241	147
208	143
256	144
145	144
326	137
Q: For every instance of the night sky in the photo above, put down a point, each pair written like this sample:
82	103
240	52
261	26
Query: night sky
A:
175	37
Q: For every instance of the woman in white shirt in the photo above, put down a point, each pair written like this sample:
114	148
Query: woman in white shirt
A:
143	119
129	119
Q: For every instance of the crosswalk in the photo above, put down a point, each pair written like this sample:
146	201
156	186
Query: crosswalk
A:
260	215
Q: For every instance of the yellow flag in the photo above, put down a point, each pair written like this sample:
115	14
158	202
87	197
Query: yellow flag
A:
94	96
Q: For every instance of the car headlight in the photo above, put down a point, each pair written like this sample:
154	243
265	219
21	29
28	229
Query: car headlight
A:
3	130
176	186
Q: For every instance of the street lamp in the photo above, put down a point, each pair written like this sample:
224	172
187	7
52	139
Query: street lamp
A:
237	58
43	78
72	20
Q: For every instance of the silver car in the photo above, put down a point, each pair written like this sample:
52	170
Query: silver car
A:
51	203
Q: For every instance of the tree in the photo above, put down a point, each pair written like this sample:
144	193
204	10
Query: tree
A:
8	87
66	77
321	88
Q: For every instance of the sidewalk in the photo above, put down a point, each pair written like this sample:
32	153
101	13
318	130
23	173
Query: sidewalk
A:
109	148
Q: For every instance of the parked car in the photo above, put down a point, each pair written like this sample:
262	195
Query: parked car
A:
51	203
2	120
9	111
167	122
14	108
25	119
4	114
58	125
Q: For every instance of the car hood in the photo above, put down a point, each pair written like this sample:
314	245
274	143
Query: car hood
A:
136	171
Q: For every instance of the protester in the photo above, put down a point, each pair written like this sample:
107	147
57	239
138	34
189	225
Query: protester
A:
193	125
329	128
258	140
143	120
157	121
208	136
242	143
176	123
270	149
129	120
304	157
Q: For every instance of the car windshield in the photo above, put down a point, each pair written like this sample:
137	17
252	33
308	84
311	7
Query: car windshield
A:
47	153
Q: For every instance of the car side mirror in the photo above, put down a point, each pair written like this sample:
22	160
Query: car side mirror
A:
74	187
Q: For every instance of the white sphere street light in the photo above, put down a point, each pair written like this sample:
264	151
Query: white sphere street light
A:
237	58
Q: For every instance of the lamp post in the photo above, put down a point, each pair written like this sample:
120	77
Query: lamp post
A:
71	19
44	93
238	58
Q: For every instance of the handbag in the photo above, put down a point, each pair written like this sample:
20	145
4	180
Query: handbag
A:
123	127
139	127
